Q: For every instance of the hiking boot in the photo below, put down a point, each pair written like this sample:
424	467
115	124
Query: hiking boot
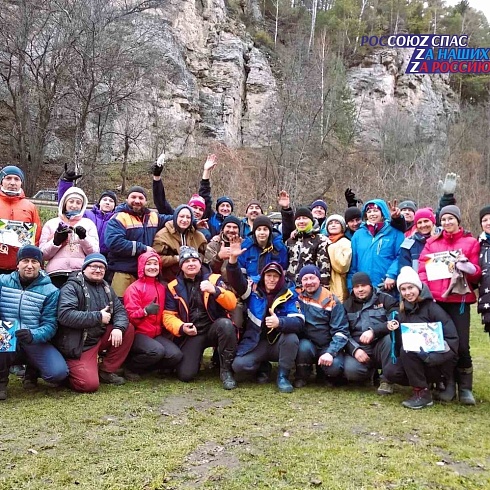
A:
111	378
301	376
385	388
228	380
448	393
131	375
30	378
283	382
18	370
421	398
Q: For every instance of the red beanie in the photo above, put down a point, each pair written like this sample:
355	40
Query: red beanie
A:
197	200
426	213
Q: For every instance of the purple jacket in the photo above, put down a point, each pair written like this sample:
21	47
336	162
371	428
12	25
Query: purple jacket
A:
100	219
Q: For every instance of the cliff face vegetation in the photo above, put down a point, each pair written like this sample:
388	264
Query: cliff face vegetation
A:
280	89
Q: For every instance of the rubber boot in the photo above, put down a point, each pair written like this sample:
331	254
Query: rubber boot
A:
449	392
225	372
283	382
301	375
465	386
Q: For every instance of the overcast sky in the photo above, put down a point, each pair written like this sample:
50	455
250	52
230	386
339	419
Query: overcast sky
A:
483	5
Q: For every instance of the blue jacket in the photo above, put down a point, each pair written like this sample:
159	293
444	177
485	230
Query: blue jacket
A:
34	308
285	306
378	255
127	235
411	249
253	260
326	324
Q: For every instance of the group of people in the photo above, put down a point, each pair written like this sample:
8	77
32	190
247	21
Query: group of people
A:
111	293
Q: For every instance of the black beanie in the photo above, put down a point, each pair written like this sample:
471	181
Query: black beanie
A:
352	213
29	252
109	194
231	219
137	188
484	211
262	221
303	212
361	278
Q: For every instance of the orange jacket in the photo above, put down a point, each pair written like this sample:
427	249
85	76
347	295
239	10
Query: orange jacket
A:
16	208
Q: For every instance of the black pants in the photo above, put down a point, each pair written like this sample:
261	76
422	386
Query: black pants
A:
460	315
221	334
284	351
151	353
420	374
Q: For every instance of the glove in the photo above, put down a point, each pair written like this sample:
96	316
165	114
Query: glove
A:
158	165
69	175
24	335
61	234
466	266
152	308
81	232
351	198
449	184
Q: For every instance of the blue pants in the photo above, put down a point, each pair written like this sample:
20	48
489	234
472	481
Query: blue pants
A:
308	354
45	358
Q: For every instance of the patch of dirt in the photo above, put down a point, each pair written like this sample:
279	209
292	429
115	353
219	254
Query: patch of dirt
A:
460	467
177	405
210	462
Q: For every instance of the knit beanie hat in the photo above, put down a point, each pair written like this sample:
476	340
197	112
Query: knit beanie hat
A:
11	170
408	276
352	213
30	252
223	199
484	211
110	194
137	188
231	219
425	213
262	221
198	201
309	269
306	212
361	278
188	253
336	217
319	202
95	257
254	202
452	210
408	205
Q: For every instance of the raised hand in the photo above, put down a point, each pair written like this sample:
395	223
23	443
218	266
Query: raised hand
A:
450	183
210	162
395	211
283	199
235	249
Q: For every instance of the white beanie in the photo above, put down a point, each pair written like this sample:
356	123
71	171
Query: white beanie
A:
336	217
408	276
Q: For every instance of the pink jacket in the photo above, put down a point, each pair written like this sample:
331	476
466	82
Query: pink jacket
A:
446	242
69	256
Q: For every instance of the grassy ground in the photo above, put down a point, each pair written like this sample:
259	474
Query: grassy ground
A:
163	434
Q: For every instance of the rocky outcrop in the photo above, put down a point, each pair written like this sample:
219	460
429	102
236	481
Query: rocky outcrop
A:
379	86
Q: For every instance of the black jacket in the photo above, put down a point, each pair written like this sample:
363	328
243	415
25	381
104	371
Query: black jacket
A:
484	296
371	314
80	324
427	311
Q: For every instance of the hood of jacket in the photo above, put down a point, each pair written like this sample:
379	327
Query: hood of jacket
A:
61	205
143	258
381	205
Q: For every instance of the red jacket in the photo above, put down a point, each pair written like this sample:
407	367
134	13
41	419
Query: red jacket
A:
141	293
446	242
17	208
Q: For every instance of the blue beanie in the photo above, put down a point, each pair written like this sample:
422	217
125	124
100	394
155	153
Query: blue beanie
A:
12	170
309	269
30	252
223	199
319	202
95	257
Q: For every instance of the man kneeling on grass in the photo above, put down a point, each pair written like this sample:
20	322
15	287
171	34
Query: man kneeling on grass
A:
196	312
92	320
273	324
326	330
